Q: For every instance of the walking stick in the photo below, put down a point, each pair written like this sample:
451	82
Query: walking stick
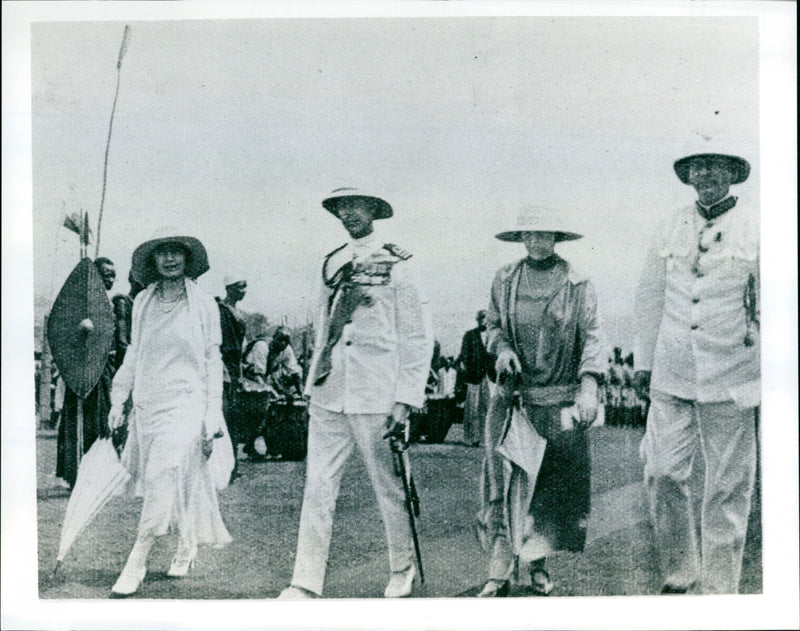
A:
398	444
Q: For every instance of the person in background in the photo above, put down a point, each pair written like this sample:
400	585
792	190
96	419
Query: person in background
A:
476	365
284	378
284	374
698	362
630	402
95	406
371	361
123	309
233	334
544	328
173	374
256	393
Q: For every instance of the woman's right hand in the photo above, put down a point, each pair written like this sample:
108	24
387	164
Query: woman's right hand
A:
507	363
116	418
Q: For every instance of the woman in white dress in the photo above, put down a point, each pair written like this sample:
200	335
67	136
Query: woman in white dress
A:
178	450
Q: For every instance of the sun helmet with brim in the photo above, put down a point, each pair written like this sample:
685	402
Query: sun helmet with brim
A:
142	265
380	208
738	166
539	219
712	144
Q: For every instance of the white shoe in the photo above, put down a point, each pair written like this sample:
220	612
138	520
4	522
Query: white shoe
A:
135	568
401	583
129	581
297	593
181	565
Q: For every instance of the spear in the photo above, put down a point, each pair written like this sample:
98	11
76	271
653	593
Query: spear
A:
126	36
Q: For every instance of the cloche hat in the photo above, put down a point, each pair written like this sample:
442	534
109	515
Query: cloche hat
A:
380	208
143	269
706	145
532	218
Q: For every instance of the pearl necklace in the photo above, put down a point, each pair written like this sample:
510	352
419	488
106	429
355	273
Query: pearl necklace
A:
167	306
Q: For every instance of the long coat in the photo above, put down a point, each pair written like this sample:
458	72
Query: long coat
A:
569	346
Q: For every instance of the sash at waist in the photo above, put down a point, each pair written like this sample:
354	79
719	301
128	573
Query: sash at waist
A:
561	395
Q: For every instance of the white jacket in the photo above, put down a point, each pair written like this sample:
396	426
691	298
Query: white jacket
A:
691	324
384	353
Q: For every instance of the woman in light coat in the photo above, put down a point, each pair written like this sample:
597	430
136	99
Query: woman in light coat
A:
178	450
543	327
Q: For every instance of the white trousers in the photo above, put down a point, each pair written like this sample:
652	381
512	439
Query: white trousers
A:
725	435
331	438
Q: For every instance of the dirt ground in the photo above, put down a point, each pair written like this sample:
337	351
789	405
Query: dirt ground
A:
262	511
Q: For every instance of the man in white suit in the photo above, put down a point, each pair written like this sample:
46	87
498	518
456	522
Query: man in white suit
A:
697	358
370	366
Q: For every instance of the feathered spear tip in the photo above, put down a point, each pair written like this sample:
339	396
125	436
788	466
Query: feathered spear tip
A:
126	38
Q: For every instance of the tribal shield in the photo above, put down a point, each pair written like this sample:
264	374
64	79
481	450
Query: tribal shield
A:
80	328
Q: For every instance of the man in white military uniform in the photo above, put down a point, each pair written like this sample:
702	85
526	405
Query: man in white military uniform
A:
697	357
370	366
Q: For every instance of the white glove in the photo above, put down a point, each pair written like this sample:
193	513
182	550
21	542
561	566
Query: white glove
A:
507	363
116	418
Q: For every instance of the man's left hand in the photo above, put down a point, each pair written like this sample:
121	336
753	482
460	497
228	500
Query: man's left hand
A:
399	416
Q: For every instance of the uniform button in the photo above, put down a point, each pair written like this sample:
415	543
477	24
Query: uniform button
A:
695	300
694	326
348	343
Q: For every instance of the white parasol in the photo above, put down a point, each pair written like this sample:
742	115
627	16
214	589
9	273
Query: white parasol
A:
100	476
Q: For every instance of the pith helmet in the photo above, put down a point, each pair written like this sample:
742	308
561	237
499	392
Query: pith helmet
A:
380	208
714	145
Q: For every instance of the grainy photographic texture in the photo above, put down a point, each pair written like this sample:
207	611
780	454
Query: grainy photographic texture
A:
475	132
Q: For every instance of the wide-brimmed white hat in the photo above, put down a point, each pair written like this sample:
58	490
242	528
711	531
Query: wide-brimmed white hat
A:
707	145
142	265
532	218
380	208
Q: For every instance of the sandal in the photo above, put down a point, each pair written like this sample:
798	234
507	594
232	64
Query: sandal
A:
540	582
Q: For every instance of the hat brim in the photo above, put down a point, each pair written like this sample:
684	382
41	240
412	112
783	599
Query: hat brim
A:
142	267
739	166
516	236
380	208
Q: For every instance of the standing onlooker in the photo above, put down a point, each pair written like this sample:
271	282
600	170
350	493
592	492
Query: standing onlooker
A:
233	333
476	364
370	365
697	315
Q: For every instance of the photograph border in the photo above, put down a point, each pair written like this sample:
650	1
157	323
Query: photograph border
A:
776	607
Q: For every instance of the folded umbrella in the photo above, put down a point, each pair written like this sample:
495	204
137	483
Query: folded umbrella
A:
100	476
524	447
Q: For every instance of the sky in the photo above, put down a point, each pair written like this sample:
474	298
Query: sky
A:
233	131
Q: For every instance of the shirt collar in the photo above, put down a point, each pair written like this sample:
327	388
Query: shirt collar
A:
364	246
716	209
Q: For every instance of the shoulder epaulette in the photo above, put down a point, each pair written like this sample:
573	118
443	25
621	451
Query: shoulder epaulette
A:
392	249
